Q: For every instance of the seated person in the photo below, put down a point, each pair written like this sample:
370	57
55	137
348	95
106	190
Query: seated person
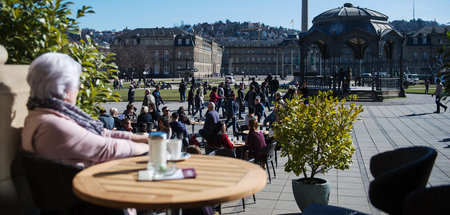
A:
250	115
155	113
220	138
177	126
125	125
255	141
182	116
108	121
58	130
145	117
259	108
130	113
113	112
164	126
193	149
165	112
142	129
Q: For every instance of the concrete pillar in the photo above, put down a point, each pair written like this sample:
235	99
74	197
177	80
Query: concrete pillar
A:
304	15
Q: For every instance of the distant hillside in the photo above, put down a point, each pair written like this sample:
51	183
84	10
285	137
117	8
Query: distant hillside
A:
412	25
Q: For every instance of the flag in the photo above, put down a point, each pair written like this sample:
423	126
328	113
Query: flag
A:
292	21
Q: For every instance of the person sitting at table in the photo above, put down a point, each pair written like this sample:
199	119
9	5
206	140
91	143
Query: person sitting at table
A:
272	116
57	129
142	129
164	126
165	112
130	113
250	115
255	141
108	120
155	113
212	117
182	116
113	112
125	125
220	137
145	117
177	126
193	149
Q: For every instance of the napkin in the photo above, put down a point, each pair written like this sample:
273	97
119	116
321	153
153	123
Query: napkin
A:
145	175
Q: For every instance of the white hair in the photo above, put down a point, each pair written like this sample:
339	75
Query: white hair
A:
53	75
212	105
144	109
113	111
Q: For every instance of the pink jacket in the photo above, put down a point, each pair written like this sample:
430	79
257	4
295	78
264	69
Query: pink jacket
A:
57	137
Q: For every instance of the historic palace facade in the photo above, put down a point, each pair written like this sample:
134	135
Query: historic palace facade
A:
166	52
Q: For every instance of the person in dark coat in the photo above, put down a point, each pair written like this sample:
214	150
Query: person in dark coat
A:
241	100
157	95
190	100
182	90
131	94
145	117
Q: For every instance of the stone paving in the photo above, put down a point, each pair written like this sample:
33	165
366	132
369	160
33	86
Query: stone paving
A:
384	126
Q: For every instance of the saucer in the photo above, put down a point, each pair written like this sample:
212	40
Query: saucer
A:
184	156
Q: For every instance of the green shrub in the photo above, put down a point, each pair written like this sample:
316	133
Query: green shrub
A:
316	137
29	28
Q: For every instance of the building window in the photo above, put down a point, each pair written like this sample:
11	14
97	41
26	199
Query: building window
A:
188	41
415	55
165	69
425	55
179	54
180	41
415	40
424	40
157	54
187	54
166	54
441	41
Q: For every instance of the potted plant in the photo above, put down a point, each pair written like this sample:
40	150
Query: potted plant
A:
316	138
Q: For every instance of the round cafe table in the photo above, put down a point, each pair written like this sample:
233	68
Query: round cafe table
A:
246	132
219	179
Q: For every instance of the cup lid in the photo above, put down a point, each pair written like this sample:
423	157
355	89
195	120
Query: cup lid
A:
157	135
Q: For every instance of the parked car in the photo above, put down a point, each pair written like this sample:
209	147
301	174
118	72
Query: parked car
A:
411	79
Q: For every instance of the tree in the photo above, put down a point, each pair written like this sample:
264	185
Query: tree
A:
29	28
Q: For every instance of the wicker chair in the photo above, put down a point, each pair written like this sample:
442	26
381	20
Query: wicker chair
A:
51	187
397	173
431	201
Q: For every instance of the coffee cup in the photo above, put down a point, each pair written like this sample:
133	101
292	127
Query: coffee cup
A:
174	149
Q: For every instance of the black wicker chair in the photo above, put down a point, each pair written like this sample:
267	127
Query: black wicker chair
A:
431	201
51	187
316	209
268	153
397	173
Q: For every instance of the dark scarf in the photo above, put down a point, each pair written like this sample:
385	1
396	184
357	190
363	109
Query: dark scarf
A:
70	110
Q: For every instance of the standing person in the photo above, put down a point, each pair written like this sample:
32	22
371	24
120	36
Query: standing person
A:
108	120
157	95
191	100
341	77
259	108
212	117
148	98
201	94
241	100
348	76
213	97
220	93
233	110
305	92
182	90
427	84
255	141
198	103
254	83
250	96
131	94
438	93
115	83
121	84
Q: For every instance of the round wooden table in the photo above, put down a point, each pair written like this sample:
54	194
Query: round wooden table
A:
219	179
193	123
246	132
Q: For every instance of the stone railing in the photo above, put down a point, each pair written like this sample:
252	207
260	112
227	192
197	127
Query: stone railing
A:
14	92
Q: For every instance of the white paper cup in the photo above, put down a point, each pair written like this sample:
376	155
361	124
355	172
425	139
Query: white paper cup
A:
158	150
174	149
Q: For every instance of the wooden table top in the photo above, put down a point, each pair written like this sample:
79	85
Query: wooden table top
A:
219	179
197	123
248	131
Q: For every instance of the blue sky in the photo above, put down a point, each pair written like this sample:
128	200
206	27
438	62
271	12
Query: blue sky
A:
118	14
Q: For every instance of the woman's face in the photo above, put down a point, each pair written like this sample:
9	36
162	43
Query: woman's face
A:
224	129
71	97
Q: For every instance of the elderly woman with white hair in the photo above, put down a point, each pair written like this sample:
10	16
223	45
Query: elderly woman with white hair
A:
55	128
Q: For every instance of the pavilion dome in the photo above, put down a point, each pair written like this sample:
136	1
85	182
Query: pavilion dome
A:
344	19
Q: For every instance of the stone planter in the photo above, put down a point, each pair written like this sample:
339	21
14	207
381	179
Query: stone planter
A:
305	194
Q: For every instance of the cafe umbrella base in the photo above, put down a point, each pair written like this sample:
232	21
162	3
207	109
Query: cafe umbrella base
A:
305	194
